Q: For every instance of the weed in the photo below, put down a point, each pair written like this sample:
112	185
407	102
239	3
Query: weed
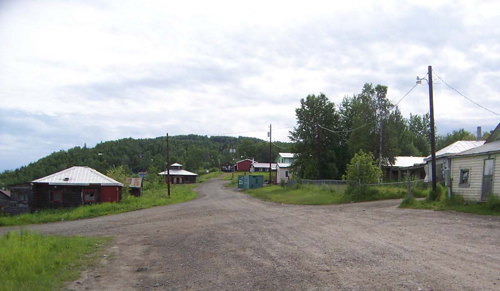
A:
493	203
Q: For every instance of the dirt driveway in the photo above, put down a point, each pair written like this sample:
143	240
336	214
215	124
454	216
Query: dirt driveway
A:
226	240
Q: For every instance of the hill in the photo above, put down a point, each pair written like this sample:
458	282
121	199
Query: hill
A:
194	152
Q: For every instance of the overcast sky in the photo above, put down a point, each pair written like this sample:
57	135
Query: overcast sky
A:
75	72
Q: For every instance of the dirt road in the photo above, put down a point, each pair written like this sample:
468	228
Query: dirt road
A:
226	240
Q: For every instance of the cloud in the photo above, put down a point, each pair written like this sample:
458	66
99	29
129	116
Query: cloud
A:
84	72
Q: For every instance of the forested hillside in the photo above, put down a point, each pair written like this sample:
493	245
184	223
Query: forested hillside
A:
194	152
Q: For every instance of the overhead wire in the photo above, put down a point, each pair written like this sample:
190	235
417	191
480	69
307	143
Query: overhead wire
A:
467	97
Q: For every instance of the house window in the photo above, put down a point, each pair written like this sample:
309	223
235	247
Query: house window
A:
464	178
56	196
89	195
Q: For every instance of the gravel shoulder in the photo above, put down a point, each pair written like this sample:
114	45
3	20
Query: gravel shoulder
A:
226	240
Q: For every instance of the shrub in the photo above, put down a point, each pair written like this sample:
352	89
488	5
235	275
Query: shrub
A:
435	195
408	201
494	203
360	172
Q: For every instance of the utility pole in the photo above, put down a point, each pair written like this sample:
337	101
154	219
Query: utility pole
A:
433	134
232	172
168	169
270	168
319	151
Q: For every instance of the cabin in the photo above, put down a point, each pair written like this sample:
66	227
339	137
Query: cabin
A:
178	175
283	172
74	187
262	167
401	165
135	185
475	173
243	165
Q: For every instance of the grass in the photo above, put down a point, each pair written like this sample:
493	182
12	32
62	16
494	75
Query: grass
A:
319	195
150	198
456	203
211	175
30	261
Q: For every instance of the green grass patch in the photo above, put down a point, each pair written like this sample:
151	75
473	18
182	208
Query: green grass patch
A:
211	175
456	203
150	198
30	261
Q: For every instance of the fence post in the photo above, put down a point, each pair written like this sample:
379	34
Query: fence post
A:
408	178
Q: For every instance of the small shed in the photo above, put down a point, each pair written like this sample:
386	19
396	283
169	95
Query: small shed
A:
135	185
283	172
178	175
244	165
73	187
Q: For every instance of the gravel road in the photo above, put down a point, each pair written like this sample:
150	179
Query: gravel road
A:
226	240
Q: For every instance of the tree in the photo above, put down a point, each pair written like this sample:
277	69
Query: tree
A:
360	172
121	175
316	119
443	141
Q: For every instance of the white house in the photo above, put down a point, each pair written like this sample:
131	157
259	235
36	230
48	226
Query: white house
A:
475	173
283	172
285	158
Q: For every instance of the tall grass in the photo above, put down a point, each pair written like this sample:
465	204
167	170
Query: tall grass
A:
30	261
150	198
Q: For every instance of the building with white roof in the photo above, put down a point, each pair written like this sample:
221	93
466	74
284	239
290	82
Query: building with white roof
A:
75	186
178	175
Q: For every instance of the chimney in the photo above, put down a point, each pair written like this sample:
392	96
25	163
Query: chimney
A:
479	135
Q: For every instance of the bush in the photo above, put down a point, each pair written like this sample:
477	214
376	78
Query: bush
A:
282	183
408	201
494	203
361	171
435	195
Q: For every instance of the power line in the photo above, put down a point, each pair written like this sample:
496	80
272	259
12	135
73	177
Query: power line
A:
467	97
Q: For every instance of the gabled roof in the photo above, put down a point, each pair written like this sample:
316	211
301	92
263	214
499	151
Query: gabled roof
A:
287	155
406	161
78	176
495	135
492	147
5	192
244	160
456	148
175	165
175	172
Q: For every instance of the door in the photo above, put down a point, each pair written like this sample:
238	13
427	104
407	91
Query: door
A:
487	189
110	194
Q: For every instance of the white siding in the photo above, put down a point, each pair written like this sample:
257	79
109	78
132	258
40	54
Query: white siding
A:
475	165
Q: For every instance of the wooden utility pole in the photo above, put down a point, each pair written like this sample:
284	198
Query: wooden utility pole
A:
319	152
168	169
408	179
270	147
433	134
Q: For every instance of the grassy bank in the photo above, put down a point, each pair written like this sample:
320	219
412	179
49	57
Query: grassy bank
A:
205	177
456	203
150	198
320	195
29	261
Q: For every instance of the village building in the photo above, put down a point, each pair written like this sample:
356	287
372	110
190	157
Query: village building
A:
283	172
243	165
178	175
227	167
135	185
401	165
73	187
285	158
262	167
4	199
475	173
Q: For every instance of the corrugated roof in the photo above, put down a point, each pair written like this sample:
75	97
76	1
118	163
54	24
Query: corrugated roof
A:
457	147
78	176
484	149
287	155
284	165
134	182
174	172
264	165
403	162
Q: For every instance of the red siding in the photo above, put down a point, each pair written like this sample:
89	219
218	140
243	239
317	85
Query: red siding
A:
244	166
110	194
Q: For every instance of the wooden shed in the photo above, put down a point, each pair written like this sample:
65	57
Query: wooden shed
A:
179	176
73	187
135	185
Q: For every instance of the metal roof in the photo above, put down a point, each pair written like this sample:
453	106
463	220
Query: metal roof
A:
284	165
175	172
287	155
403	162
457	147
492	147
78	176
134	182
264	165
175	165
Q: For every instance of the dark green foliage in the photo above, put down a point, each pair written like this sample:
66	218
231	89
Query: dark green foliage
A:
407	202
436	195
194	152
493	203
360	172
443	141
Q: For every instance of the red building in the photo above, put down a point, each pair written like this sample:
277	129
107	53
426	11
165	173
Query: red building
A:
244	165
75	186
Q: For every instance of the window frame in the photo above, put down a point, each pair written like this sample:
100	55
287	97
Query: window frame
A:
460	181
53	196
85	191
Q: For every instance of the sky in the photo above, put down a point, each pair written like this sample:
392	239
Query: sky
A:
82	72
